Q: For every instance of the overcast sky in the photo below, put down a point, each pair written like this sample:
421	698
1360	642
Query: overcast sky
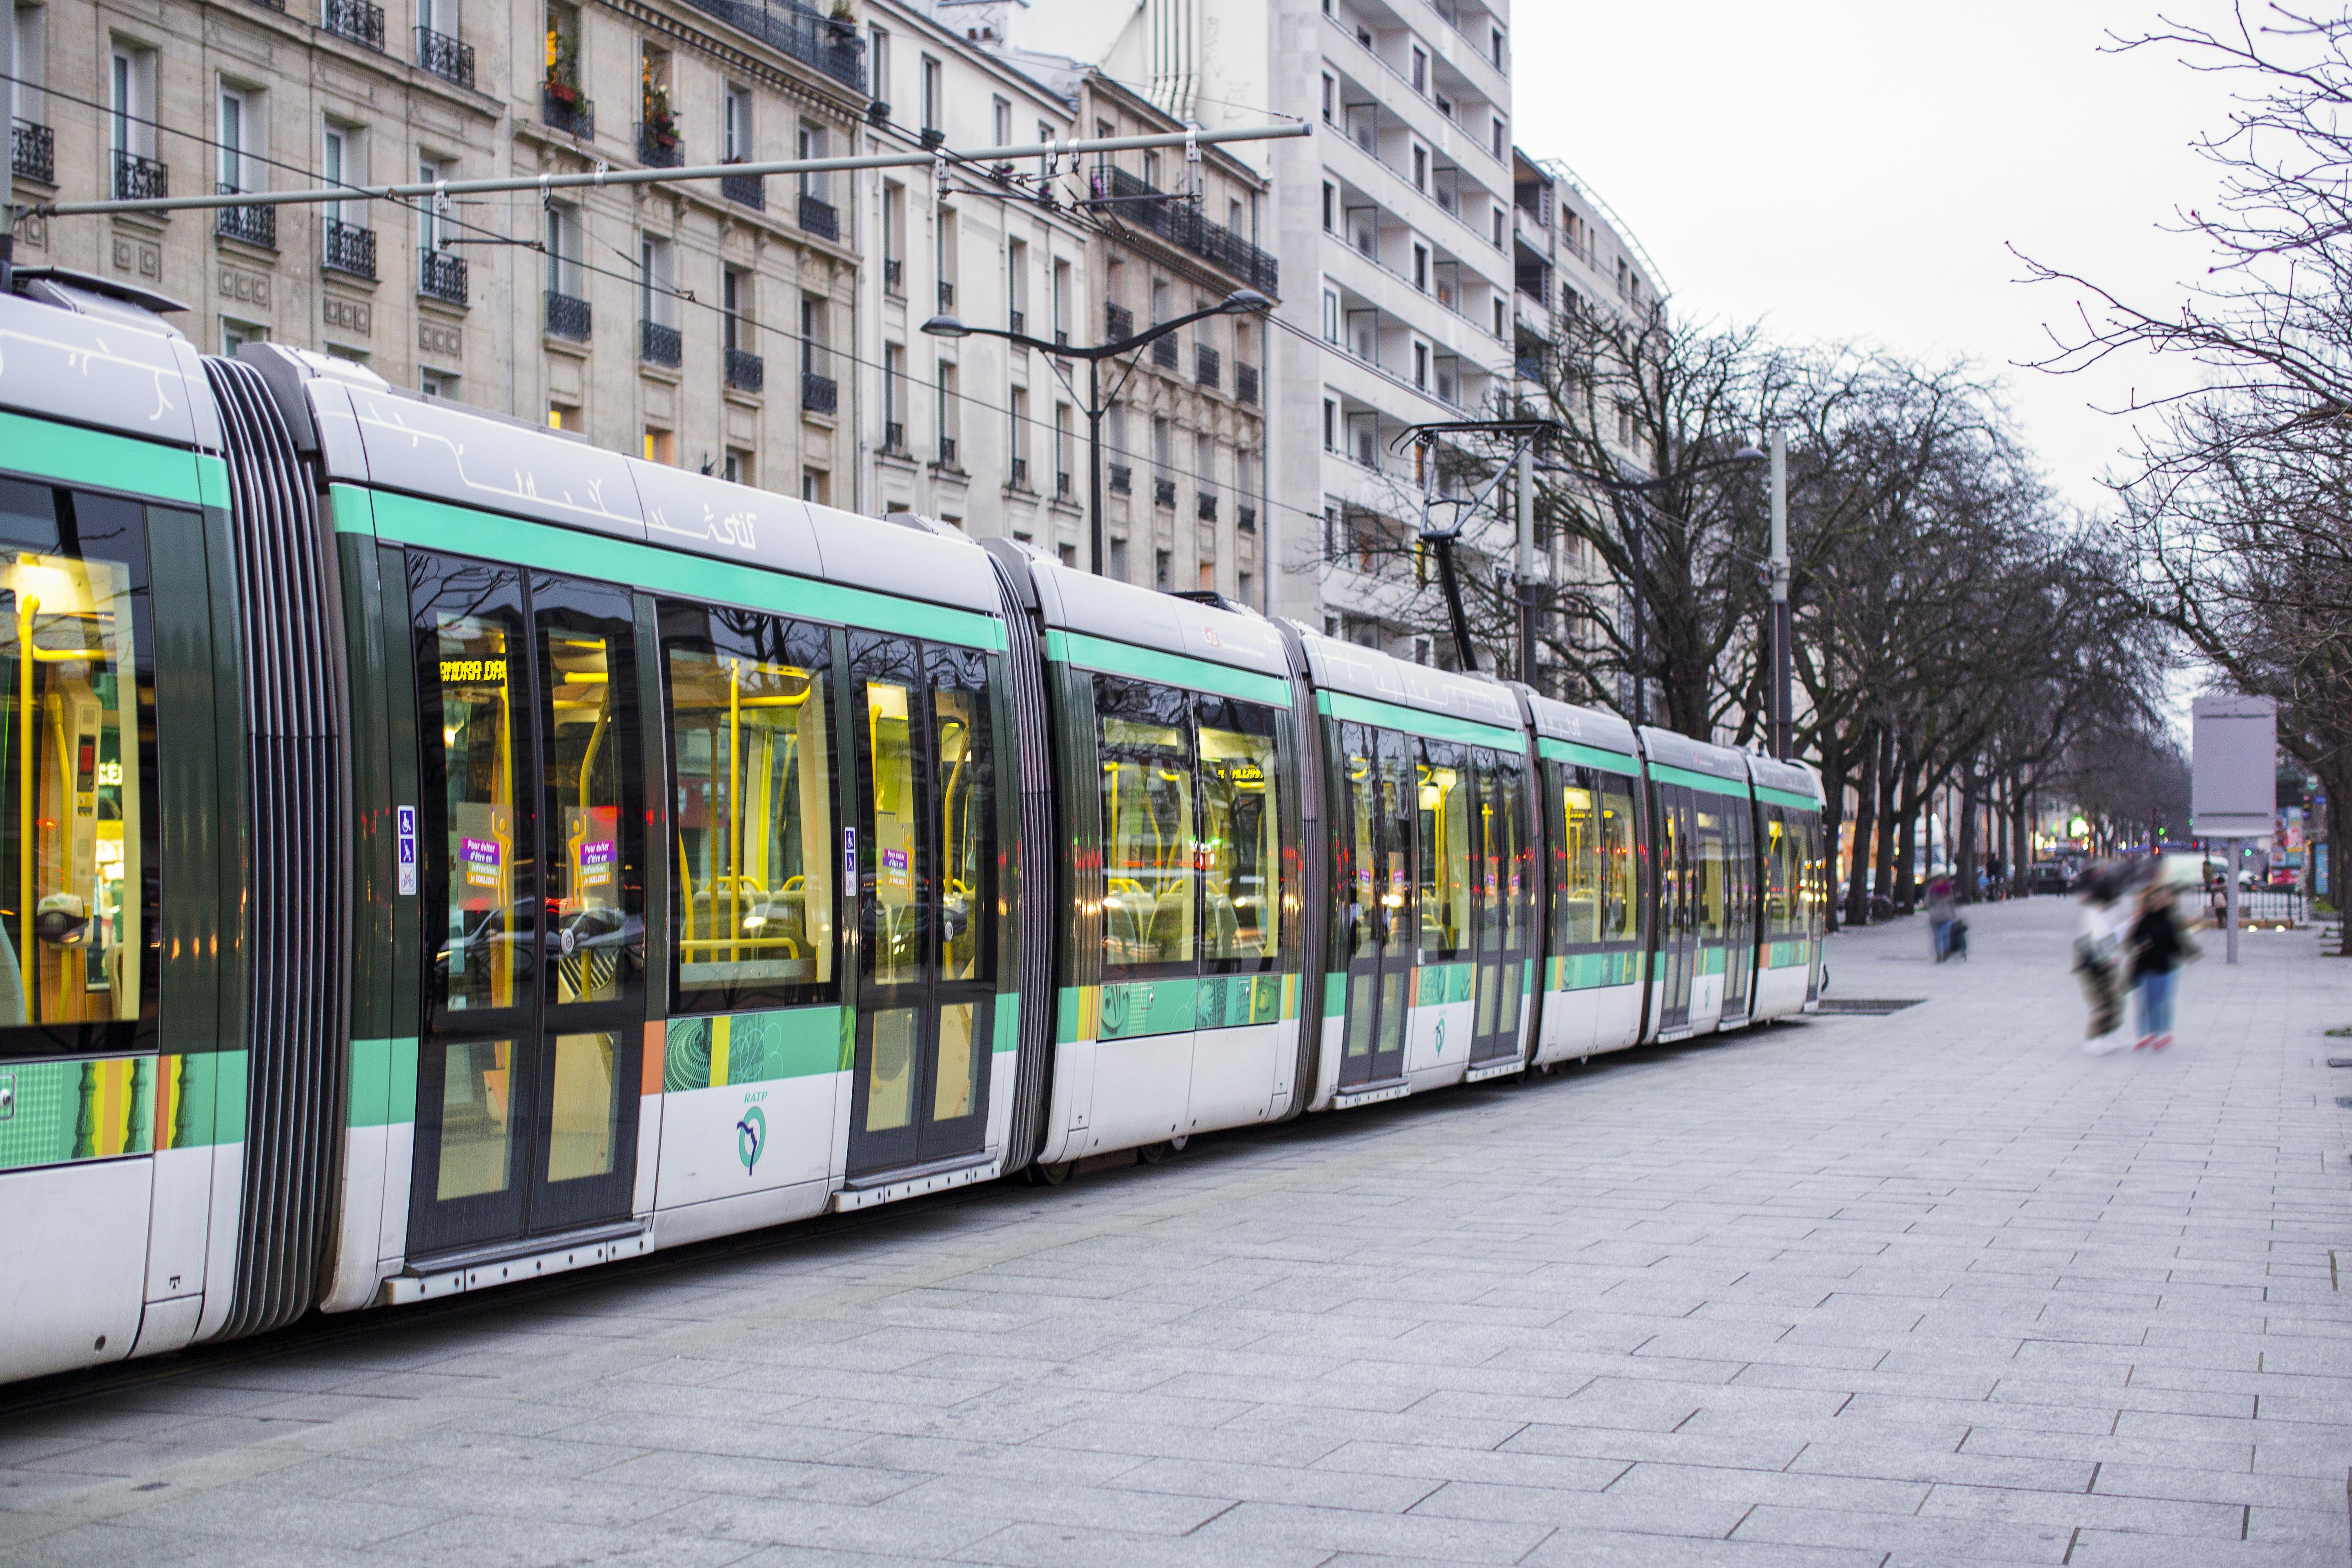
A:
1856	170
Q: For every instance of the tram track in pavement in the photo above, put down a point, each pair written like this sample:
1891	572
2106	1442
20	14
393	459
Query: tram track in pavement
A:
316	1331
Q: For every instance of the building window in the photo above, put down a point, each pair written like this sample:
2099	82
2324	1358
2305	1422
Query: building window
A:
656	282
1420	168
735	128
1162	570
815	486
661	447
931	102
1421	366
1331	207
1419	69
1331	316
1000	122
1495	45
1017	436
1118	560
1330	426
1499	223
1498	315
437	384
1330	98
877	51
736	469
1498	138
1420	267
1067	554
236	335
563	416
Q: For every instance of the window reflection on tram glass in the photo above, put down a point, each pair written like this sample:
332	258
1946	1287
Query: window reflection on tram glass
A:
964	770
1241	826
76	764
1714	903
490	928
1444	804
584	860
753	888
1149	836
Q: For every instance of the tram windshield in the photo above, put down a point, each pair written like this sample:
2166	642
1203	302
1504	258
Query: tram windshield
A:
750	747
78	916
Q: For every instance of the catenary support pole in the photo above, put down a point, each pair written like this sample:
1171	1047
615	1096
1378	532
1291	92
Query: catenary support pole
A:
1527	566
1783	718
2229	895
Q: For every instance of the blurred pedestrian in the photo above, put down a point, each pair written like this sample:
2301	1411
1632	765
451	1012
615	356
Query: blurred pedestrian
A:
1943	918
2159	948
2099	943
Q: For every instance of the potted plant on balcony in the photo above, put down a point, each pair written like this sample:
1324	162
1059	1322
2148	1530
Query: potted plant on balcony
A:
661	124
562	82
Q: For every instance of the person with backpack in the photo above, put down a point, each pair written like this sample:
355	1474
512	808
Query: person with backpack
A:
2158	947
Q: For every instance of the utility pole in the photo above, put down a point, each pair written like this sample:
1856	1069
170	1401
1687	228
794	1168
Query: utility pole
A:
1782	718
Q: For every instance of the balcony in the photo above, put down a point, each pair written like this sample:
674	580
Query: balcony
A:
253	226
746	371
659	146
441	275
565	110
818	392
1178	222
1017	323
445	56
349	248
1164	353
567	317
1118	323
809	36
33	152
1245	519
818	217
1208	366
1122	479
894	276
947	452
1020	480
1163	492
657	344
894	439
1245	382
354	19
138	179
946	296
1204	507
745	190
1061	487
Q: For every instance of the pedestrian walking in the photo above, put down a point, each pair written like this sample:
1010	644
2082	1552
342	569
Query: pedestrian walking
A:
2159	948
2098	956
1944	919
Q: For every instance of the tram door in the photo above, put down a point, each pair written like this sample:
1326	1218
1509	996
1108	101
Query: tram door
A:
1677	915
1378	922
1740	923
926	968
1504	871
531	790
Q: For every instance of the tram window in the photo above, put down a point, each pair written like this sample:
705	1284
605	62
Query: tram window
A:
752	889
595	836
1712	895
1144	735
967	797
1358	905
1614	839
1444	804
1503	812
1783	912
1581	889
1241	835
78	905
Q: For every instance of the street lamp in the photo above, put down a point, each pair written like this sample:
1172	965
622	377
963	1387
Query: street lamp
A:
1240	302
1619	488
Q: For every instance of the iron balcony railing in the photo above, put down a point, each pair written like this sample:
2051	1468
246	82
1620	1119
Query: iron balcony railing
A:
1245	519
745	190
350	249
1245	382
567	112
1019	473
1163	492
441	275
819	395
1017	323
1119	322
746	371
894	276
567	317
947	452
893	436
1164	353
253	225
138	179
659	146
1122	479
946	296
33	152
356	20
1205	507
1178	221
1208	366
817	217
809	36
445	56
657	344
1061	487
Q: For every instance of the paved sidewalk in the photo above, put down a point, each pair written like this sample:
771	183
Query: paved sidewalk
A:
1935	1288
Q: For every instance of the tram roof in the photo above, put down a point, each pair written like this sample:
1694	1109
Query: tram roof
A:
1345	667
1671	748
71	354
369	433
1797	778
1079	602
1582	726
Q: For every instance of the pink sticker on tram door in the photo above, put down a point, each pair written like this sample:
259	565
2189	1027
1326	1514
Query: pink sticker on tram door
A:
481	858
596	864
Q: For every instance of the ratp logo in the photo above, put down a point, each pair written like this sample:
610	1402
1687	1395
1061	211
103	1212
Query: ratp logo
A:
750	1137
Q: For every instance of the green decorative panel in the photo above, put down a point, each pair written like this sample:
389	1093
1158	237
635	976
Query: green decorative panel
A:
1585	971
1231	1001
1133	1008
751	1048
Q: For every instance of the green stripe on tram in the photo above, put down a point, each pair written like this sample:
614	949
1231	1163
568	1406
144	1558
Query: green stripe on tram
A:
1008	1023
461	531
1662	774
751	1047
1789	798
1348	707
71	455
1588	756
384	1083
1168	668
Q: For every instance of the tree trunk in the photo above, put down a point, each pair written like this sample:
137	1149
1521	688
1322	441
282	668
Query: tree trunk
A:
1912	803
2018	797
1832	818
1865	804
1883	855
2337	782
1964	853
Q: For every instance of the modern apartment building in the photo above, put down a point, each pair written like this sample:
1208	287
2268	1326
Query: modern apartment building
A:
694	323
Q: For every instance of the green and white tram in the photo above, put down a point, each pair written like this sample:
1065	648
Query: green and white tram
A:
435	852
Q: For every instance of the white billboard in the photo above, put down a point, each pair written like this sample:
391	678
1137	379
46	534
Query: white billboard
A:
2233	789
